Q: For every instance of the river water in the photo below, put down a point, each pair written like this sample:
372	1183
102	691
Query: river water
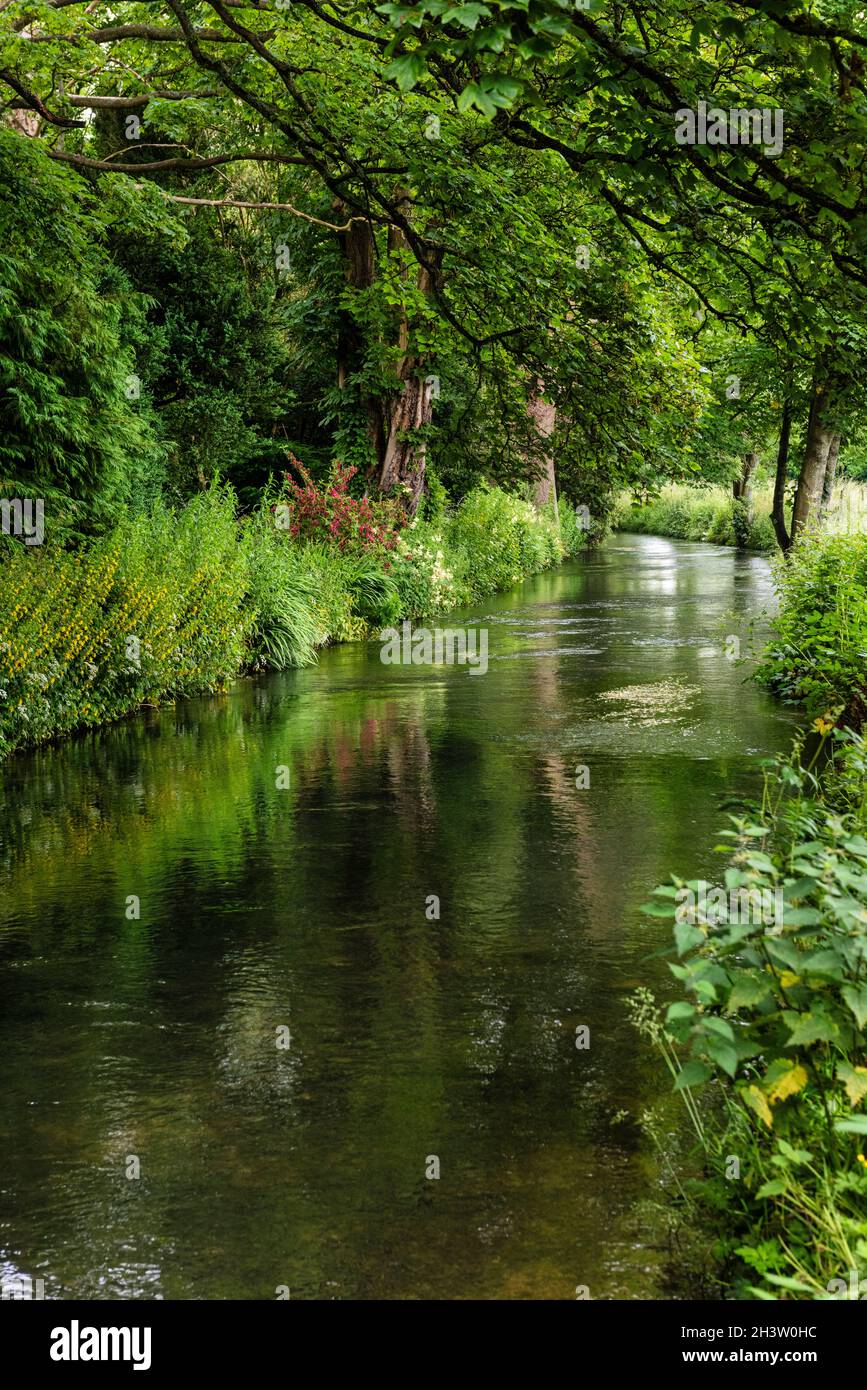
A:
242	1089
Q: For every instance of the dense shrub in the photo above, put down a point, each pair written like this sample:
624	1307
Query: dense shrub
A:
773	1025
818	656
699	514
153	609
497	540
333	515
72	433
172	604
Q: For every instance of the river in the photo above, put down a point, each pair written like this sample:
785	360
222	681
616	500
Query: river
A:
238	1084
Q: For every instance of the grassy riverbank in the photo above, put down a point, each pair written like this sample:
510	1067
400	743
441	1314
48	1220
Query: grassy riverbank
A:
177	603
766	1044
710	514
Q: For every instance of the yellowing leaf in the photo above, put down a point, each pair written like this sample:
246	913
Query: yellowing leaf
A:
855	1081
755	1099
789	1084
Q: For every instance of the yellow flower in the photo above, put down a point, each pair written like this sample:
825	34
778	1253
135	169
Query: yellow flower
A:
822	725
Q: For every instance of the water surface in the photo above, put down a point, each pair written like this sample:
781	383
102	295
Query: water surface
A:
308	908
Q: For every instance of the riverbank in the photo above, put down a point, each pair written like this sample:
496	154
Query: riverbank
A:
418	1028
766	1045
815	656
711	514
172	604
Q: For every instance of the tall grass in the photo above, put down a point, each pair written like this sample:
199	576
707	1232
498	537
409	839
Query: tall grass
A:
175	604
709	514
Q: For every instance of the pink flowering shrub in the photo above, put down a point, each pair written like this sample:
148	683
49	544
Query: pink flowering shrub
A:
329	513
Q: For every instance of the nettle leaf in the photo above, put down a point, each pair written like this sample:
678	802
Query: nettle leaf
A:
825	962
810	1028
720	1026
748	990
687	937
856	997
801	917
692	1074
658	909
758	1102
723	1054
679	1010
787	1083
855	1081
798	888
785	953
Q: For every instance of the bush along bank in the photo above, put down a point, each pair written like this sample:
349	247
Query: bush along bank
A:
173	604
766	1045
817	656
699	514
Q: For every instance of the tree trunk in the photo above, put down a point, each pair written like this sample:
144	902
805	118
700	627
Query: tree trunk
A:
778	511
830	476
544	417
409	410
742	487
358	249
820	434
742	509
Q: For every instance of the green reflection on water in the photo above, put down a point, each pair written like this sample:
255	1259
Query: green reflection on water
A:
306	907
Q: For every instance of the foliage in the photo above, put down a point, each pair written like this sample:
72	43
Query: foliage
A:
331	514
153	610
697	514
497	539
774	1015
280	594
212	352
170	604
72	433
818	654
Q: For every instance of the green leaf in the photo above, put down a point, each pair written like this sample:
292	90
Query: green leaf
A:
687	937
856	997
692	1074
774	1188
723	1054
855	1081
748	990
467	15
406	70
810	1028
857	1125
